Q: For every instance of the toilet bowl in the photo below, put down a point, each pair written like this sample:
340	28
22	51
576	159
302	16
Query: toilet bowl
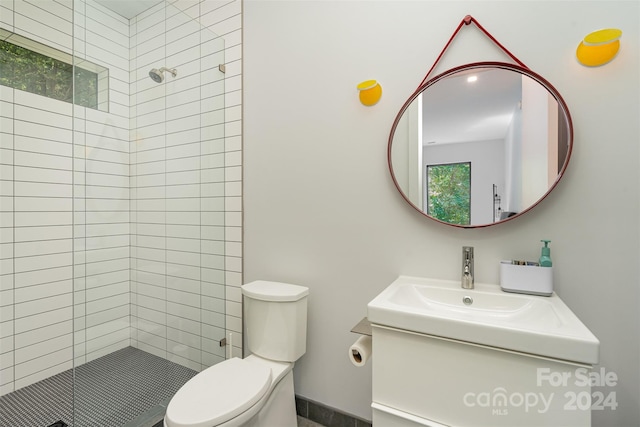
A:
256	390
237	392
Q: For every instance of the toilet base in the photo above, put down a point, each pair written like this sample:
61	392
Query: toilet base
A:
278	410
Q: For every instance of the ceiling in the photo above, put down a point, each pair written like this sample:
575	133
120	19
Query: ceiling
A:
455	110
128	8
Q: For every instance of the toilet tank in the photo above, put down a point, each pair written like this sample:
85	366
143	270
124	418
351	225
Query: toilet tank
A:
275	316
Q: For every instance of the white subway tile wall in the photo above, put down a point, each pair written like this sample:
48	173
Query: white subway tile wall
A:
102	191
36	219
123	228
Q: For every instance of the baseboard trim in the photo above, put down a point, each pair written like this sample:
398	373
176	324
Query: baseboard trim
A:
326	415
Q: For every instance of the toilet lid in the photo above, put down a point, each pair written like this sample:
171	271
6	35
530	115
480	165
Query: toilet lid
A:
218	394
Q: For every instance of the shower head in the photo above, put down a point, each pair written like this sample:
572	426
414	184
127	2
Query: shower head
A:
158	75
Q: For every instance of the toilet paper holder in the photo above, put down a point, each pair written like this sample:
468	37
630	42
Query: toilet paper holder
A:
363	327
360	351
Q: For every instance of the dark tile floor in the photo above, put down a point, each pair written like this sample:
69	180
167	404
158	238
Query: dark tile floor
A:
124	388
127	388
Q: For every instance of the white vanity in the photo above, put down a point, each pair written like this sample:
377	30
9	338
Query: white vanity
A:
446	356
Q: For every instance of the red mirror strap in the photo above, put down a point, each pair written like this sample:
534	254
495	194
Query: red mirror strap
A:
467	20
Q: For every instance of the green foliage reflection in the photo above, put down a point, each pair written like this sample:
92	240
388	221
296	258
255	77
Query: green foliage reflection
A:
24	69
449	192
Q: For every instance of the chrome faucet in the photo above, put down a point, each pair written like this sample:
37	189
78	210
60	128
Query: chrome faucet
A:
467	267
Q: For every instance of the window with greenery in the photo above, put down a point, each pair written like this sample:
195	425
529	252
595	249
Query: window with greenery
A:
449	192
25	69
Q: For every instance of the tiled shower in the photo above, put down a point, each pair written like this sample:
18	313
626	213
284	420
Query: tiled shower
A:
121	224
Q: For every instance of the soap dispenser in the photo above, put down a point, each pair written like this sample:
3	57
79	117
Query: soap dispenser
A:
545	256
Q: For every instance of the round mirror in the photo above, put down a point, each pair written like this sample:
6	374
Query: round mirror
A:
480	144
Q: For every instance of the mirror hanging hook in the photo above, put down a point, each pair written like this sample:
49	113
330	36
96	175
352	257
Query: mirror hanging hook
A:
467	20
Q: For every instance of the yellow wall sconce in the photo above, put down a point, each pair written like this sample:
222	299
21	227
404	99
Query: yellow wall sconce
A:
599	47
370	92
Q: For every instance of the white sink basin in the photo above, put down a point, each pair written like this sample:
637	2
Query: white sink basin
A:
539	325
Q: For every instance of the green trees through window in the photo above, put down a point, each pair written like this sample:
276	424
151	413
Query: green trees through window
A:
24	69
449	192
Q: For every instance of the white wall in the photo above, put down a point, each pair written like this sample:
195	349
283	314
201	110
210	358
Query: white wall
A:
512	195
321	209
535	142
407	153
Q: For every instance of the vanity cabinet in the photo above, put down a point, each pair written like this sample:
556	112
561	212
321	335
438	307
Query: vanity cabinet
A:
425	380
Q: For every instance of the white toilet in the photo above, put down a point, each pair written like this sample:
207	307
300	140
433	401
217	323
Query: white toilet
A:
256	390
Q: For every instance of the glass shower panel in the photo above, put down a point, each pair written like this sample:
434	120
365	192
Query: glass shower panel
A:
149	301
36	255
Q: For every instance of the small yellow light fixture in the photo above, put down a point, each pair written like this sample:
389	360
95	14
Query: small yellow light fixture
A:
370	92
599	47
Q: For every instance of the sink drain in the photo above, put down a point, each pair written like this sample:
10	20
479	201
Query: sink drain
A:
467	300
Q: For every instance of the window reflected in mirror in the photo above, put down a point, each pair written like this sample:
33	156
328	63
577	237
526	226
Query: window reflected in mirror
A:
449	192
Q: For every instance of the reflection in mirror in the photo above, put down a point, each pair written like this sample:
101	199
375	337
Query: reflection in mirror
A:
503	124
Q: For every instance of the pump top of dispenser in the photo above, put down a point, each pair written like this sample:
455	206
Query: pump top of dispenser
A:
545	254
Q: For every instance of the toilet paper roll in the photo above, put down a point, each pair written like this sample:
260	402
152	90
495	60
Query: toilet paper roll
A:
360	351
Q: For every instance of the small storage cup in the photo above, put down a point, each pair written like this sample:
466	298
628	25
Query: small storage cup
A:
526	279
